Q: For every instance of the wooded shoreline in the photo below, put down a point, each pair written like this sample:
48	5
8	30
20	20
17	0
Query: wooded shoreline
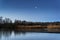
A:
42	27
19	25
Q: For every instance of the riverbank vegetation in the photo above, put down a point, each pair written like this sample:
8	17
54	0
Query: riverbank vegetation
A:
7	24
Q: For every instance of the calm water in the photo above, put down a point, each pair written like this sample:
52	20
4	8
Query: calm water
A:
4	35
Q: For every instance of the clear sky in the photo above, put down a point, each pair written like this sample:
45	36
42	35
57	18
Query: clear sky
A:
31	10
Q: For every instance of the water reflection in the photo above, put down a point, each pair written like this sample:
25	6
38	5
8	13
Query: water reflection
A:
7	34
17	35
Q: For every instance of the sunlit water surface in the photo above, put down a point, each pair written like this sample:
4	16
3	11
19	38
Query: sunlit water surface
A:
28	36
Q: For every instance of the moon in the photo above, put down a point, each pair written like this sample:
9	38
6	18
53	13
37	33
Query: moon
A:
36	7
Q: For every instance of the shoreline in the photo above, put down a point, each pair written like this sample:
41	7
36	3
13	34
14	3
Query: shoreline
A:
28	31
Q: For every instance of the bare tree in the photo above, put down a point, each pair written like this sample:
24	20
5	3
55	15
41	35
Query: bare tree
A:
7	20
1	20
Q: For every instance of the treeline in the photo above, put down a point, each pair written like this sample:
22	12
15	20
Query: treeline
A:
8	24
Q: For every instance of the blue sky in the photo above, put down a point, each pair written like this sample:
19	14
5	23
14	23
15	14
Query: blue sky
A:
31	10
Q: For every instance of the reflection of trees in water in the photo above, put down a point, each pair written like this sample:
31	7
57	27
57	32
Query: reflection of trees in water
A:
19	32
0	34
9	33
5	33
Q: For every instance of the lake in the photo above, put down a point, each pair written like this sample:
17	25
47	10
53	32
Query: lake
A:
14	35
